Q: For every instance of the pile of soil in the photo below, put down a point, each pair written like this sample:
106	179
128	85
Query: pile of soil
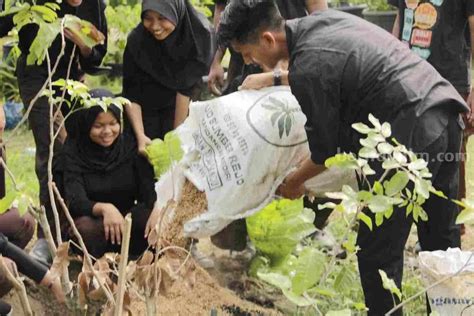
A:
201	298
193	203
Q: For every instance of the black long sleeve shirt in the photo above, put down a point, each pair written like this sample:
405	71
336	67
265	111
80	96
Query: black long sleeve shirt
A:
342	68
129	187
90	10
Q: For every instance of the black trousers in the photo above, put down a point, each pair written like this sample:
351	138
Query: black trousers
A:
383	247
40	125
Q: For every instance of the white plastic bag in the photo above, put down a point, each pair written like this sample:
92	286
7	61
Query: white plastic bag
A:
454	296
238	149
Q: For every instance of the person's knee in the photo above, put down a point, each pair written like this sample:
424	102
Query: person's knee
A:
87	227
20	227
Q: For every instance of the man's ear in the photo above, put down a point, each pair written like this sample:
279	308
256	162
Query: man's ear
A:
268	38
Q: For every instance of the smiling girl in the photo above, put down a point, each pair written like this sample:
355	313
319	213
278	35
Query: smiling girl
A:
166	56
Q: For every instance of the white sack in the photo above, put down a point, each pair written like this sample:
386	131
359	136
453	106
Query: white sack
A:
454	296
239	148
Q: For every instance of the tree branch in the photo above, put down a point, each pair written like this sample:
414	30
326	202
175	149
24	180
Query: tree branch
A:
102	285
19	287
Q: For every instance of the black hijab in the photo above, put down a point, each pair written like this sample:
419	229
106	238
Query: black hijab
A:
179	61
82	155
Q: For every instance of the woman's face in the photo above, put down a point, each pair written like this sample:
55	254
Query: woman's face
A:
159	26
74	3
105	130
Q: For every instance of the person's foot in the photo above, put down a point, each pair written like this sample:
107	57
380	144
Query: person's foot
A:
41	253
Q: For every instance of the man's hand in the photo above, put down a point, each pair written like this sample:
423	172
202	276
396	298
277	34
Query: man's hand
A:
257	81
143	141
291	188
216	78
113	223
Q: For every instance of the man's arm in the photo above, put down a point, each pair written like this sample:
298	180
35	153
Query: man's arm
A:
293	185
316	5
216	72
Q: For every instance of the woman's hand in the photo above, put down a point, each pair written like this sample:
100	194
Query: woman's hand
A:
257	81
113	223
143	141
152	221
85	50
54	284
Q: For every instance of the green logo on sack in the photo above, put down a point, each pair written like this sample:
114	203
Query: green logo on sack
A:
282	115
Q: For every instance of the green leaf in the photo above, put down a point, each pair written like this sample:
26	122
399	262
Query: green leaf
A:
465	217
409	209
397	183
47	13
418	164
279	227
360	306
278	280
368	142
162	154
343	312
378	188
422	187
400	158
345	279
7	201
299	300
375	122
342	161
438	193
323	291
386	130
367	170
361	128
364	196
366	219
390	164
379	219
308	269
385	148
388	213
370	153
47	33
390	285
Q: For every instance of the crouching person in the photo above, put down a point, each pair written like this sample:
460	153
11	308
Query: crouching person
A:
14	258
105	179
341	68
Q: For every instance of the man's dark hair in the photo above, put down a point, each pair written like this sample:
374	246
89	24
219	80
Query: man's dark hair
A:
243	20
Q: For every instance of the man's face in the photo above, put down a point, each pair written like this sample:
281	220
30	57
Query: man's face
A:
263	53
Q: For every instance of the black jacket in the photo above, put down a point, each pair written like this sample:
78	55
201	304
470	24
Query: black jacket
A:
90	10
342	68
